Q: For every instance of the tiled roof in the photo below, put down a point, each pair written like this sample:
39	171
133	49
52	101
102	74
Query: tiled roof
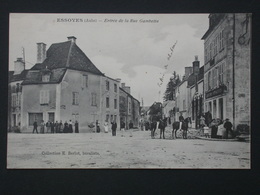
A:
67	55
61	56
35	77
128	94
17	77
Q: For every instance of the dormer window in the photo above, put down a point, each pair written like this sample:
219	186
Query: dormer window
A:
46	74
46	78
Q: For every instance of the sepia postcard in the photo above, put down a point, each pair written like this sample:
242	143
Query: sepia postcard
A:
129	91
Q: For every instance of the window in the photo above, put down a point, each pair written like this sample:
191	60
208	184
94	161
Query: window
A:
206	55
44	96
84	80
184	105
14	97
107	102
35	117
209	80
18	100
129	107
220	76
221	40
94	99
75	98
206	82
215	46
115	88
46	78
214	77
115	103
51	117
107	85
211	51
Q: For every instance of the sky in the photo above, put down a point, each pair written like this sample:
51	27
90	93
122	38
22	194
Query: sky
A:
141	49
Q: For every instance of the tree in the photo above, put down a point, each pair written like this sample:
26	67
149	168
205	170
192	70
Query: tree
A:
170	92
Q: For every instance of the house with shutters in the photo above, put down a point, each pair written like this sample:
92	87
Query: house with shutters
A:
16	77
63	85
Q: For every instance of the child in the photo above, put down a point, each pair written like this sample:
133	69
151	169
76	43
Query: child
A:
206	131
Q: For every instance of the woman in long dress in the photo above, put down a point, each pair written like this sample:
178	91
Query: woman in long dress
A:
76	127
106	126
70	127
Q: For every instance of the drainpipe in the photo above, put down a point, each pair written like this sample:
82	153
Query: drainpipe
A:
234	21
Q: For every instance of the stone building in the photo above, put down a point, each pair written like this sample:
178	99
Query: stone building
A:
227	51
65	85
129	107
16	77
182	96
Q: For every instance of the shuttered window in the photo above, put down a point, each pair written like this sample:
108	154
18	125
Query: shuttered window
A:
44	97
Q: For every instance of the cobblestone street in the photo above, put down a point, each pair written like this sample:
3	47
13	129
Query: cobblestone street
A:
131	149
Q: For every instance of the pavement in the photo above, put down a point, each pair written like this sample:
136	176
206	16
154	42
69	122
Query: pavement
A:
130	149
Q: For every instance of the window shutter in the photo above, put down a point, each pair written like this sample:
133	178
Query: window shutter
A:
47	96
41	97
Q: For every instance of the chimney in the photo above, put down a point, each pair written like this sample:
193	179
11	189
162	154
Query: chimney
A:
41	52
19	66
123	85
196	66
127	89
188	72
118	80
72	39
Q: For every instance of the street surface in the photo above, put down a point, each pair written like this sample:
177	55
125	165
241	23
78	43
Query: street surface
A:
129	149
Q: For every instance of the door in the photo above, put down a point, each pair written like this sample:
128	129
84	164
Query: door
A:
51	117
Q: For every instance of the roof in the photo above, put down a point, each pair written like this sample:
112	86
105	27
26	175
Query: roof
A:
17	77
67	55
61	56
35	77
191	79
215	21
128	93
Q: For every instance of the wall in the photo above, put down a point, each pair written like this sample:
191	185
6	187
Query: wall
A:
242	69
85	113
30	103
112	95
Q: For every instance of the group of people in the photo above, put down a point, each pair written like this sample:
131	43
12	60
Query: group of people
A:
215	128
57	127
106	126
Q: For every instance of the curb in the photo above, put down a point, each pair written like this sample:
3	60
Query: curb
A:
215	139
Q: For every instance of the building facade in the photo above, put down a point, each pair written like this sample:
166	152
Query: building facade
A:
182	96
196	93
16	77
129	107
227	51
63	85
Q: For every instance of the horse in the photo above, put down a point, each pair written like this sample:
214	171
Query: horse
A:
162	123
184	127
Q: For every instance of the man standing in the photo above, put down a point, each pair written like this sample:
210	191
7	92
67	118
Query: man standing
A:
48	126
181	119
114	126
35	125
228	126
97	127
208	118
